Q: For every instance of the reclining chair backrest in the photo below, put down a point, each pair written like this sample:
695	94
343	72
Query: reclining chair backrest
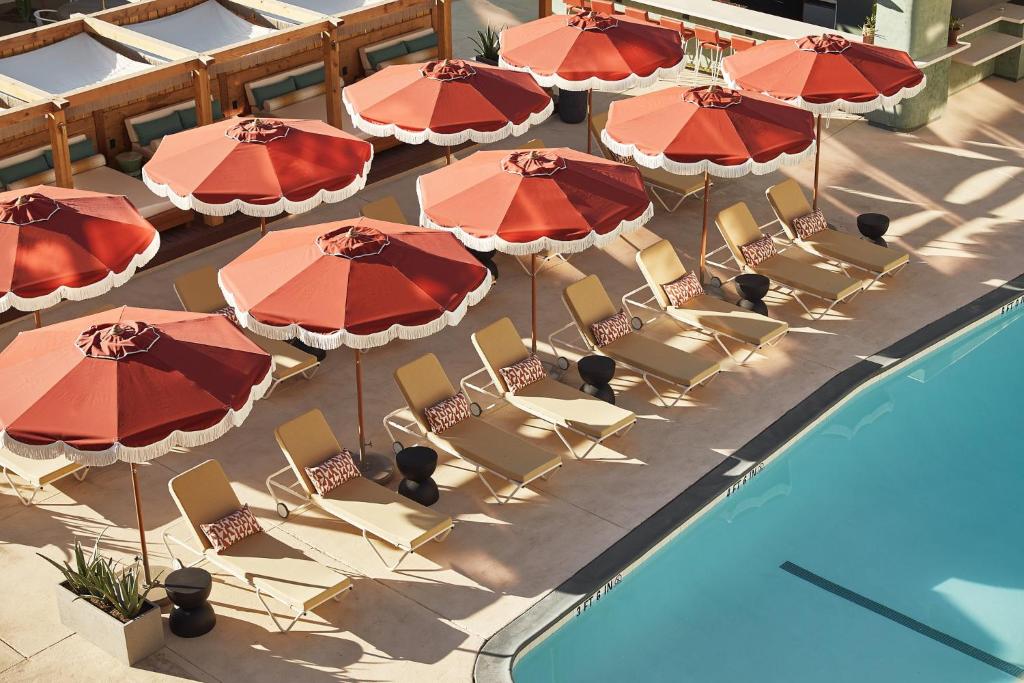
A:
307	441
660	265
738	227
203	494
199	292
588	303
499	346
788	202
423	383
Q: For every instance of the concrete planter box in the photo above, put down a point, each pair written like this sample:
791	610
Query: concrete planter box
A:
127	643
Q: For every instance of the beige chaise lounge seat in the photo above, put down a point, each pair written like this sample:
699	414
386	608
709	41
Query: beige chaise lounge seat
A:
487	448
565	408
375	510
384	209
37	473
787	274
789	202
270	566
588	303
660	264
198	292
659	182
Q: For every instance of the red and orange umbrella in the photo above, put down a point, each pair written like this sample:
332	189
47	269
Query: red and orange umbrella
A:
446	103
57	243
525	202
826	73
709	130
358	283
260	167
129	385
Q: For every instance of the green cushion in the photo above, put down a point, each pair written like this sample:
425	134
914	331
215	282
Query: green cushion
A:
421	43
218	113
24	169
309	78
383	54
79	150
157	128
188	116
271	90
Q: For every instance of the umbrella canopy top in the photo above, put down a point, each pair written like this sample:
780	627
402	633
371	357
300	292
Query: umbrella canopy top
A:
261	167
358	283
589	50
58	243
826	73
528	201
446	102
709	129
128	384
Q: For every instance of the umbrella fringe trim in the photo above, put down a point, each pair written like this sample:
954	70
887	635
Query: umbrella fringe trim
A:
844	105
699	167
342	338
283	205
99	288
412	137
595	83
141	454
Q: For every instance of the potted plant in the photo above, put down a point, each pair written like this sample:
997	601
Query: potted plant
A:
107	606
955	26
867	32
487	46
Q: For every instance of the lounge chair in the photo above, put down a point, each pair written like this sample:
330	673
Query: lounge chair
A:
199	292
790	276
547	399
37	473
660	265
485	447
662	184
375	510
384	209
588	303
788	202
269	566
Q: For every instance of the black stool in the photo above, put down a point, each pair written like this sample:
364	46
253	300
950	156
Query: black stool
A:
417	464
596	373
873	227
188	589
753	288
572	105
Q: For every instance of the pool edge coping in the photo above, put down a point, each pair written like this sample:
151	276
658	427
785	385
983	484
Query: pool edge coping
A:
495	659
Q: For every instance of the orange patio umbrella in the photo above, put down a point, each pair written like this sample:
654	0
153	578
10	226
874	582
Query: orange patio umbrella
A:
523	202
58	243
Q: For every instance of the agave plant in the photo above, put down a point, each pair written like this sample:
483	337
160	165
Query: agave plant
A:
97	578
487	43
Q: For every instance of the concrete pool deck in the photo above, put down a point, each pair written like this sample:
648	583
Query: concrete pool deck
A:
955	192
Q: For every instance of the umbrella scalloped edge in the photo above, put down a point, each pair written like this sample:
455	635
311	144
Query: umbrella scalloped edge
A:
11	300
416	137
343	338
141	454
283	205
841	104
595	83
699	167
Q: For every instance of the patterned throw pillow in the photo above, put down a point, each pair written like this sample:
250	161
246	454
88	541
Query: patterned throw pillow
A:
231	529
447	413
761	249
523	373
611	328
229	313
682	290
333	472
813	222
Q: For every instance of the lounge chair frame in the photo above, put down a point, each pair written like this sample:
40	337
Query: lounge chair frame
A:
490	390
78	474
201	557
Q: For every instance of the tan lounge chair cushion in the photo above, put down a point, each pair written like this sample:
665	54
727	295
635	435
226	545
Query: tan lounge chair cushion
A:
565	406
710	313
383	513
38	473
808	278
660	359
499	346
495	449
281	570
385	209
855	251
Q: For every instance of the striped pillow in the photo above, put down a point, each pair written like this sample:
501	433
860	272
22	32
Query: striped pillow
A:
333	472
758	251
231	529
447	413
523	373
611	328
682	290
813	222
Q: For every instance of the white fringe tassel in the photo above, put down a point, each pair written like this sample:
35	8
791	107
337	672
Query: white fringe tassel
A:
343	338
594	83
141	454
112	280
416	137
843	105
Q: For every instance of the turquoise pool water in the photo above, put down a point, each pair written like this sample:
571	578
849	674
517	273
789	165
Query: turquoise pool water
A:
885	545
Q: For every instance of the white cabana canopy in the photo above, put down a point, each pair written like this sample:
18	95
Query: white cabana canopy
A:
68	65
201	28
334	6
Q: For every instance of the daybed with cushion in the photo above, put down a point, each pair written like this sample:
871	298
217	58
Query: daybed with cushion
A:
90	172
264	562
307	441
37	473
147	130
408	48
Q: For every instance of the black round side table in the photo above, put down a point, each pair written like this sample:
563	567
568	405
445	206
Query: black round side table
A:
417	465
753	288
572	105
873	227
188	589
596	373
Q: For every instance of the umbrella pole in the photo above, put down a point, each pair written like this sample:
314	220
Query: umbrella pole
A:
142	524
38	318
590	113
817	158
263	226
448	156
533	303
704	227
359	401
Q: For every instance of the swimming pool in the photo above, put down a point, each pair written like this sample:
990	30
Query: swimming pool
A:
883	544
